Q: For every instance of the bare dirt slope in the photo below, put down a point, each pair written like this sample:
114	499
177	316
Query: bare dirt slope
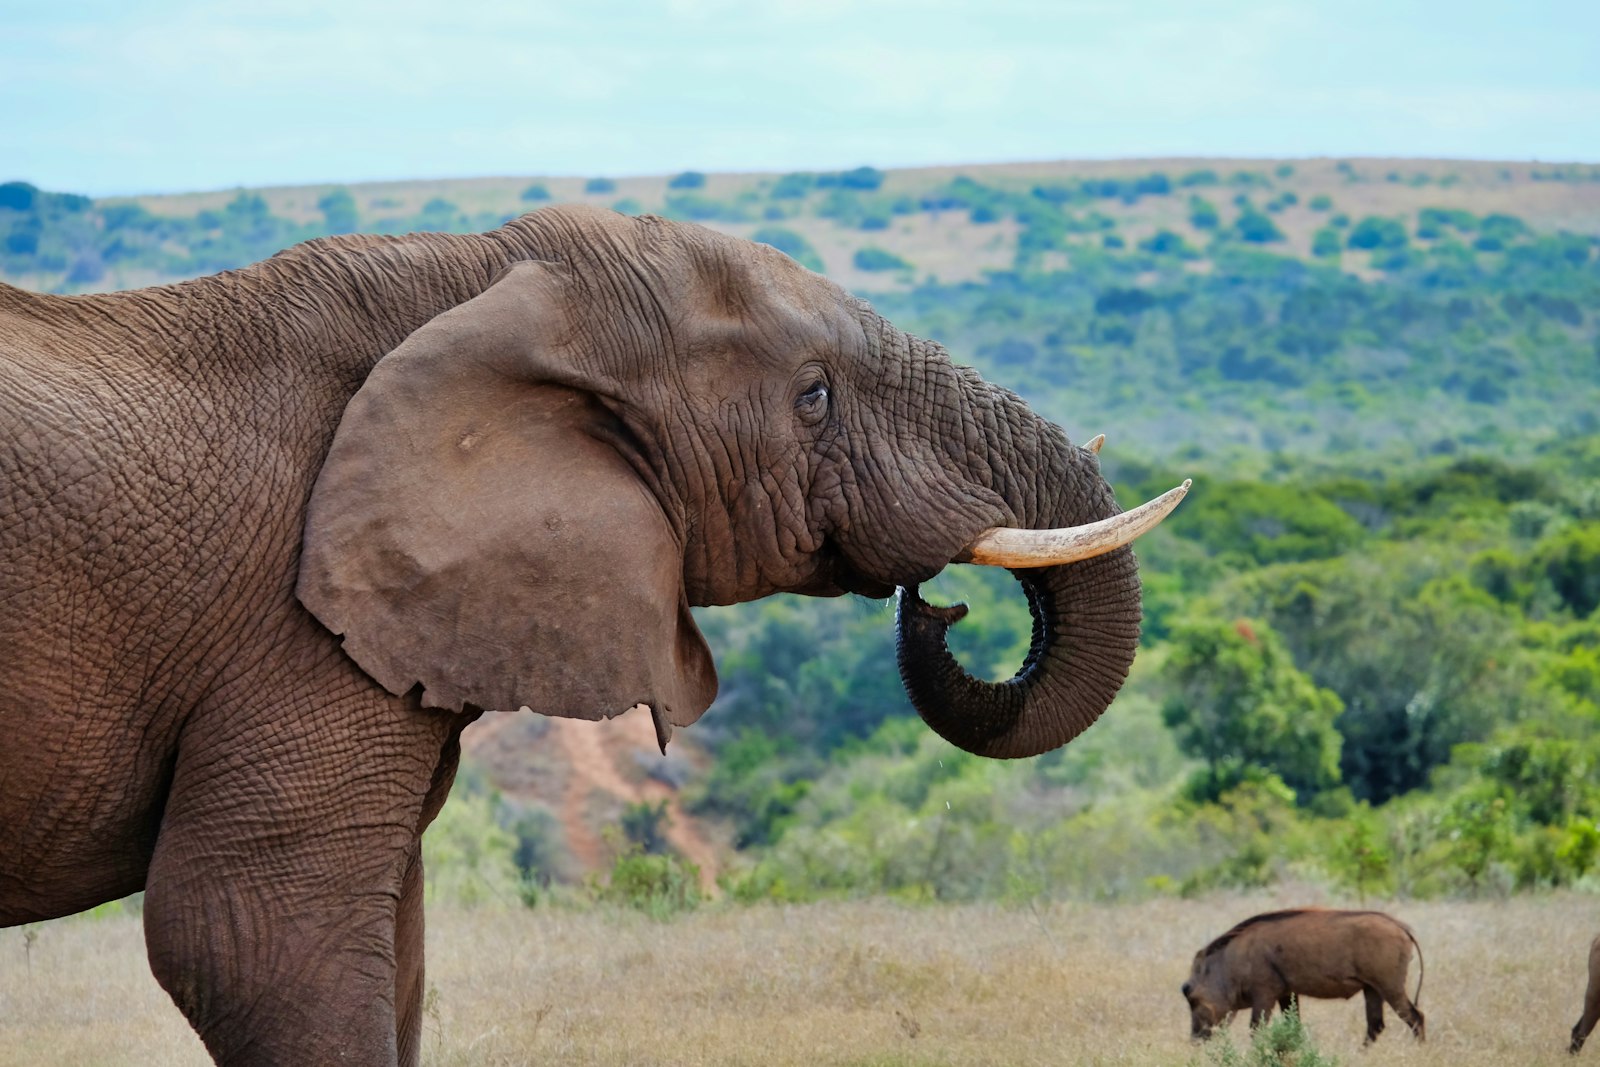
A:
588	772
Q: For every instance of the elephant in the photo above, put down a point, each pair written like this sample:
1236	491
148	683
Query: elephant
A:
270	539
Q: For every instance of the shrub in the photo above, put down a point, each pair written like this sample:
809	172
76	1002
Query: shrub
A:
18	196
339	208
1203	214
871	258
1255	227
661	886
536	191
861	178
790	244
1376	232
1320	202
793	186
1167	243
599	185
689	179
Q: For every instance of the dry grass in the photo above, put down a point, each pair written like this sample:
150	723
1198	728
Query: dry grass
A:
860	984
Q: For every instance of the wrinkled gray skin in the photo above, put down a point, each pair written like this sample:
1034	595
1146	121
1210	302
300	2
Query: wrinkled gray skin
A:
1272	958
269	540
1591	1001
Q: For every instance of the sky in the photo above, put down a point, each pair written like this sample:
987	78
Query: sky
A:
109	97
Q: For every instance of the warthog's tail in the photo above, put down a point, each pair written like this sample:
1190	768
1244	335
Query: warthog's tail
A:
1421	967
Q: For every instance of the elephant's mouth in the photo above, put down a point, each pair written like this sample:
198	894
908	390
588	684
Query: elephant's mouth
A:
999	546
835	575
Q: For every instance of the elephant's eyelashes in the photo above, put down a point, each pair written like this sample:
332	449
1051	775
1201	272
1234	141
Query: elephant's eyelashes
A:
812	404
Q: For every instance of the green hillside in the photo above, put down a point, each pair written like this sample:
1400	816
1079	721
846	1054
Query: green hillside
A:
1372	636
1307	306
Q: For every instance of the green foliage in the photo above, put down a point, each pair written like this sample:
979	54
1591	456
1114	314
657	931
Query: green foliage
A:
1255	227
793	186
1270	523
1569	560
867	178
790	244
876	259
536	191
468	858
1374	232
689	179
659	885
338	207
1282	1041
644	826
1238	701
1203	214
599	185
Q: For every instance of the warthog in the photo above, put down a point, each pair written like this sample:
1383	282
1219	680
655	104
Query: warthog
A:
1591	1000
1311	952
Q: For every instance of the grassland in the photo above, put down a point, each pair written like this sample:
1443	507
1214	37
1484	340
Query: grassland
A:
848	984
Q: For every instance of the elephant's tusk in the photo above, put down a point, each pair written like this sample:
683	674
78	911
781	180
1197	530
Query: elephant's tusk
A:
1007	547
1095	442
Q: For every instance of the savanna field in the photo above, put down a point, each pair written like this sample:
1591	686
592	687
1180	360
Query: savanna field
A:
1369	671
867	983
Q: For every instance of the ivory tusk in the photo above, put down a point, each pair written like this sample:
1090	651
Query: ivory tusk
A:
1095	442
1008	547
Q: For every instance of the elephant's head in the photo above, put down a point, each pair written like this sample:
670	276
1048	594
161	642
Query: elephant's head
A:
524	498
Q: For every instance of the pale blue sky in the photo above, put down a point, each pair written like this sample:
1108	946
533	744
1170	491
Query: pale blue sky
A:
121	96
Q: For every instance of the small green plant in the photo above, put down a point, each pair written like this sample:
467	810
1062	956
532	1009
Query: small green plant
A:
1282	1042
661	886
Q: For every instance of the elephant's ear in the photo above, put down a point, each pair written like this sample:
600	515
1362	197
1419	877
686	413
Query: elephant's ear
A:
474	530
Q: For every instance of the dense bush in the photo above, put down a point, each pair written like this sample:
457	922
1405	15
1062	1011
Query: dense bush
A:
877	259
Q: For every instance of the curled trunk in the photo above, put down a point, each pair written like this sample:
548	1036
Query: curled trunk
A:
1085	630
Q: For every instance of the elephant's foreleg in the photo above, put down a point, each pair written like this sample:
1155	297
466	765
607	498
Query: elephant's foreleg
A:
410	981
270	978
280	878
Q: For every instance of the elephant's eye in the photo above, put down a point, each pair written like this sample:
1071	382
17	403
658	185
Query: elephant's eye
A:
813	403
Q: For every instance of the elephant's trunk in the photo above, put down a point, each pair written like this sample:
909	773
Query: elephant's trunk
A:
1085	628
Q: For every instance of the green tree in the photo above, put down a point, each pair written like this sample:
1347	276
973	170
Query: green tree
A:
876	259
1255	227
1203	214
1375	232
1237	700
536	191
339	208
790	244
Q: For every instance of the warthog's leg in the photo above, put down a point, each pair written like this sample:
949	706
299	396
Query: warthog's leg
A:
1408	1011
1374	1013
1585	1023
1261	1007
1286	1002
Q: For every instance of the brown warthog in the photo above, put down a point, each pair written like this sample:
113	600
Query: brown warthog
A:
1311	952
1591	1000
